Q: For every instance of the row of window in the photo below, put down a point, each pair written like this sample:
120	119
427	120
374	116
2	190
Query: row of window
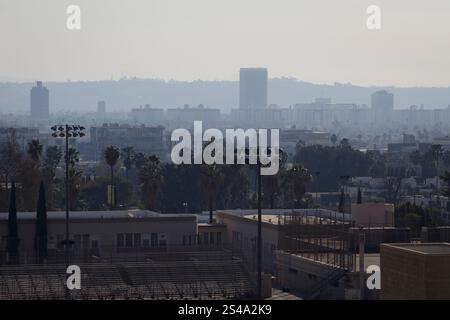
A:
204	238
138	240
80	241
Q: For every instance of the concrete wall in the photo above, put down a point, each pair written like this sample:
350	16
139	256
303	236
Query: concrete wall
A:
299	274
242	232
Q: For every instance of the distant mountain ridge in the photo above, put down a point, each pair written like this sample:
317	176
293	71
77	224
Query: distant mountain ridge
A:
123	95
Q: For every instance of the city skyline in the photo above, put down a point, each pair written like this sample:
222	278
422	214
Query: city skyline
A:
187	40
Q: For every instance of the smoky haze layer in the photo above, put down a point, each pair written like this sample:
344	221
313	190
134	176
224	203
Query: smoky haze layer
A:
123	95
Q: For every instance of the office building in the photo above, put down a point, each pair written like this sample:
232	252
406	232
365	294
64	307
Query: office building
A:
253	88
39	102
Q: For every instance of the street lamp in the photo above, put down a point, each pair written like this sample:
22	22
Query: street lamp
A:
67	131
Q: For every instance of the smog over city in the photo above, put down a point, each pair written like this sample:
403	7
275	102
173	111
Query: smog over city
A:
237	153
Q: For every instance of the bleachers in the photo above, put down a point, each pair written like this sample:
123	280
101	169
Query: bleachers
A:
159	276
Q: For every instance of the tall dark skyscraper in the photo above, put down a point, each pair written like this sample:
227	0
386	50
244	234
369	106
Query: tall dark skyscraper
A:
382	100
39	102
253	88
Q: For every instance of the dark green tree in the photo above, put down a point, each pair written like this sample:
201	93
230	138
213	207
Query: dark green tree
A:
150	178
52	158
446	179
342	201
359	200
41	226
13	233
112	155
34	150
128	155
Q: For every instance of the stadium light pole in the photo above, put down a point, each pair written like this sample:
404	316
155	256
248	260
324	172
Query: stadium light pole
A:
259	238
67	131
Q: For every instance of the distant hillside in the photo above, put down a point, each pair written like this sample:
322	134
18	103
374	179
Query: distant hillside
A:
123	95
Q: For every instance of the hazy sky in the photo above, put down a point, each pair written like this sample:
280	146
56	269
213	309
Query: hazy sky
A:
321	41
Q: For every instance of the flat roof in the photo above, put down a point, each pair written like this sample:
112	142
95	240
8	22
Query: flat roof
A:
424	248
274	214
116	214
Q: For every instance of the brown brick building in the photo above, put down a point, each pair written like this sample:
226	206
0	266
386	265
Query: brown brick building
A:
415	271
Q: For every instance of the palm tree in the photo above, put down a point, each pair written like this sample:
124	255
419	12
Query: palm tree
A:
34	150
128	155
52	158
212	178
333	139
112	155
150	178
296	180
139	160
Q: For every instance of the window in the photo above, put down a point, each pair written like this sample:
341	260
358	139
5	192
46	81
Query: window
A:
129	240
211	238
120	240
146	243
94	244
206	238
137	240
219	237
154	239
59	241
184	240
85	241
77	240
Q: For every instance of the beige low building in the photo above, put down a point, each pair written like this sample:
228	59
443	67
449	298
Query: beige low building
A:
104	232
373	214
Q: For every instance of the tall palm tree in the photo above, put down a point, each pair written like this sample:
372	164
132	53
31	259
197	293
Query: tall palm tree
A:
128	155
34	150
52	158
150	178
112	155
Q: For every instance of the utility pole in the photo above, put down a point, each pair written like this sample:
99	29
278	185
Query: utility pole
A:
259	232
362	273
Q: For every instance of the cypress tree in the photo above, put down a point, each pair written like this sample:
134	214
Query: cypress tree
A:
41	226
359	200
13	234
341	202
